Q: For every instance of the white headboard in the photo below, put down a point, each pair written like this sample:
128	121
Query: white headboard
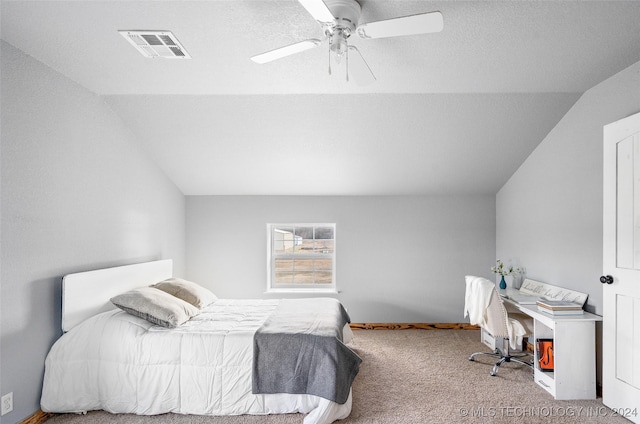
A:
86	294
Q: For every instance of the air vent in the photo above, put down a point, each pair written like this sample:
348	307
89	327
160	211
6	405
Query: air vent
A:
156	44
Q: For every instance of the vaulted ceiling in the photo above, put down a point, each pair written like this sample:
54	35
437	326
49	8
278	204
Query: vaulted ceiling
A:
451	112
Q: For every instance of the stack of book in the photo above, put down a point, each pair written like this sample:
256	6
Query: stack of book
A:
559	307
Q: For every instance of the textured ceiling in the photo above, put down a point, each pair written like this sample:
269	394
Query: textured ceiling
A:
453	112
341	144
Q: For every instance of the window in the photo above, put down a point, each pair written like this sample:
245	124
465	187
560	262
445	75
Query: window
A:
302	257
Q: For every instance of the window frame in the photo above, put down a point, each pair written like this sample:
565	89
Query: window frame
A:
300	288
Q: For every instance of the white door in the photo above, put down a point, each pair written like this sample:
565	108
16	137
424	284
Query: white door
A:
621	266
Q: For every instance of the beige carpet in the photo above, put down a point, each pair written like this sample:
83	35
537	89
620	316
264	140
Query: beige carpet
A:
419	376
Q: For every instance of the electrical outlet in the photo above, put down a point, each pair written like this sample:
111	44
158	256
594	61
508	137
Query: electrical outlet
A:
7	403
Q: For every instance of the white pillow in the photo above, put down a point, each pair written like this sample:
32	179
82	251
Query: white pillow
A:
188	291
155	306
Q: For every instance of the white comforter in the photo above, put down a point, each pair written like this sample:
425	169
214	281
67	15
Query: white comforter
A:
123	364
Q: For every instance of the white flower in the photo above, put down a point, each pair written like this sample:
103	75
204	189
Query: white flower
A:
502	270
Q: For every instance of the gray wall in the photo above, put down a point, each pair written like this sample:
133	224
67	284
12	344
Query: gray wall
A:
77	194
398	259
549	213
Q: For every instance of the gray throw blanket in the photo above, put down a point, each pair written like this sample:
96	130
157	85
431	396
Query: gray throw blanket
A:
299	350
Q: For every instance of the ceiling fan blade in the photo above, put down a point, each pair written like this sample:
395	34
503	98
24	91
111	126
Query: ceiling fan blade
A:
408	25
286	51
318	10
359	68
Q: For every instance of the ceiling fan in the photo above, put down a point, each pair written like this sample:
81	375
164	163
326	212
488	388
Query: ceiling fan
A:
339	19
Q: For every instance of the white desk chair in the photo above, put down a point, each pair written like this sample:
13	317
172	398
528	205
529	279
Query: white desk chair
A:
485	308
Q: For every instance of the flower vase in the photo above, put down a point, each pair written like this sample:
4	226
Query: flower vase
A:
503	284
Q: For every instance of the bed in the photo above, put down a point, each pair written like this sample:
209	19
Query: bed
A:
232	357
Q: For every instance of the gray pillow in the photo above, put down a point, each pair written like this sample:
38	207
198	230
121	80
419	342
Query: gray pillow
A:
155	306
188	291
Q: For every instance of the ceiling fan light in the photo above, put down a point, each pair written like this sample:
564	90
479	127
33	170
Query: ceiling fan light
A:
338	46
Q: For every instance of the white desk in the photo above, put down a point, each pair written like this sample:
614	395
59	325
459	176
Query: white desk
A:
574	349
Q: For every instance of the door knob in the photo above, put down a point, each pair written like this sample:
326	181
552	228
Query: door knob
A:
606	279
